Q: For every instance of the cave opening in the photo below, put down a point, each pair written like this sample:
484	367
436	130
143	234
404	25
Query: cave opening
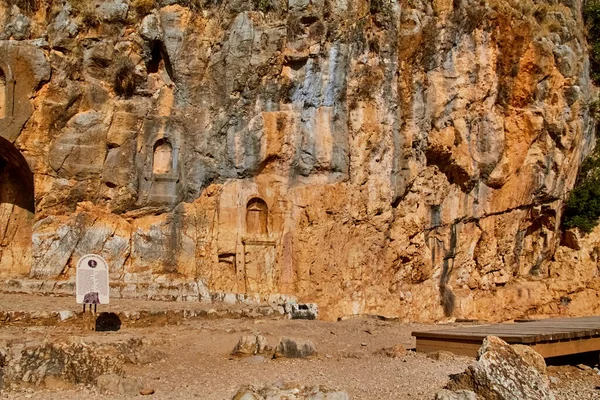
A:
159	59
17	210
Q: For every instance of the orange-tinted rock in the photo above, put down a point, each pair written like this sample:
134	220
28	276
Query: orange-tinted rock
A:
413	165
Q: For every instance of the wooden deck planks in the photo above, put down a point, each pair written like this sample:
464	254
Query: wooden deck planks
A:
550	337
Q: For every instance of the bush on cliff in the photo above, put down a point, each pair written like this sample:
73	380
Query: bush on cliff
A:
591	15
582	208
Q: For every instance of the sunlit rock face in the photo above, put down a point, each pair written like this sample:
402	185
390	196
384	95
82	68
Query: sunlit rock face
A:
400	158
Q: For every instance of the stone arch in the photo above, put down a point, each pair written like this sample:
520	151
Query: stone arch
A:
162	162
257	217
17	209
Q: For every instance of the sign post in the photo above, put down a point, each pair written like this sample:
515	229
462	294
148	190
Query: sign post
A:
92	281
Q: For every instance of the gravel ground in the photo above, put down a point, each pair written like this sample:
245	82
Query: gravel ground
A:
197	362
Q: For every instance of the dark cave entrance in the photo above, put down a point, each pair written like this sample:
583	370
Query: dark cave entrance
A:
17	210
159	59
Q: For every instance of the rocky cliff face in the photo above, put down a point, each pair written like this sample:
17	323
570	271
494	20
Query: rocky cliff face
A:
407	158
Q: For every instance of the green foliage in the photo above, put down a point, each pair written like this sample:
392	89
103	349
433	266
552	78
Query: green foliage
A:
262	5
591	16
582	209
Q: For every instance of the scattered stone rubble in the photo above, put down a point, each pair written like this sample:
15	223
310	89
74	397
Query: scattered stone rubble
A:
166	317
72	361
289	391
250	345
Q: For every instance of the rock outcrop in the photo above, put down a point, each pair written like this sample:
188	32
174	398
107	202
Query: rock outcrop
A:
407	159
501	373
66	362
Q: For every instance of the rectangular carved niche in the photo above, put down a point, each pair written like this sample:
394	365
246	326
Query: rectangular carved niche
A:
260	272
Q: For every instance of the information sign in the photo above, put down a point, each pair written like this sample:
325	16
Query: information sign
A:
92	280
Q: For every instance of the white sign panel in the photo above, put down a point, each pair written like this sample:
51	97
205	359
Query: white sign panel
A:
92	280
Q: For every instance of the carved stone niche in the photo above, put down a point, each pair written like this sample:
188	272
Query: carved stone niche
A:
162	158
260	272
164	175
257	218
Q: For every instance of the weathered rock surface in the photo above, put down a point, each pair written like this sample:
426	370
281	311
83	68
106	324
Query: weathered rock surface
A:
289	391
252	345
457	395
407	159
295	348
500	373
113	383
60	363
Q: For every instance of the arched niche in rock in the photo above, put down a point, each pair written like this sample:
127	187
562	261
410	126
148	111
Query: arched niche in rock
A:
162	161
17	208
257	217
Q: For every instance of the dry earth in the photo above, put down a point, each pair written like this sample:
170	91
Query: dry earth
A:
197	363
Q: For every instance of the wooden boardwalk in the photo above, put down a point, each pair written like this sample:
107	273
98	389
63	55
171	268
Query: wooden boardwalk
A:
549	337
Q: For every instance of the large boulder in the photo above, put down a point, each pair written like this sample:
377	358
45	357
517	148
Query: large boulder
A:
501	373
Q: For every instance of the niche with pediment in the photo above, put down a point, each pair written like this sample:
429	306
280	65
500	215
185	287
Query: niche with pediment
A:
162	162
257	218
162	177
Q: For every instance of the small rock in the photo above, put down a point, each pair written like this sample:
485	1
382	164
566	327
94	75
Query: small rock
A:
584	367
295	348
65	315
251	345
146	392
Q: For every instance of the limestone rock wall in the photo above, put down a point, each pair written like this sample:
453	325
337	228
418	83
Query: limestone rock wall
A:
404	158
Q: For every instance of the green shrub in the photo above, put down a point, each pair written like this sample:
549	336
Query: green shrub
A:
582	209
591	16
262	5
